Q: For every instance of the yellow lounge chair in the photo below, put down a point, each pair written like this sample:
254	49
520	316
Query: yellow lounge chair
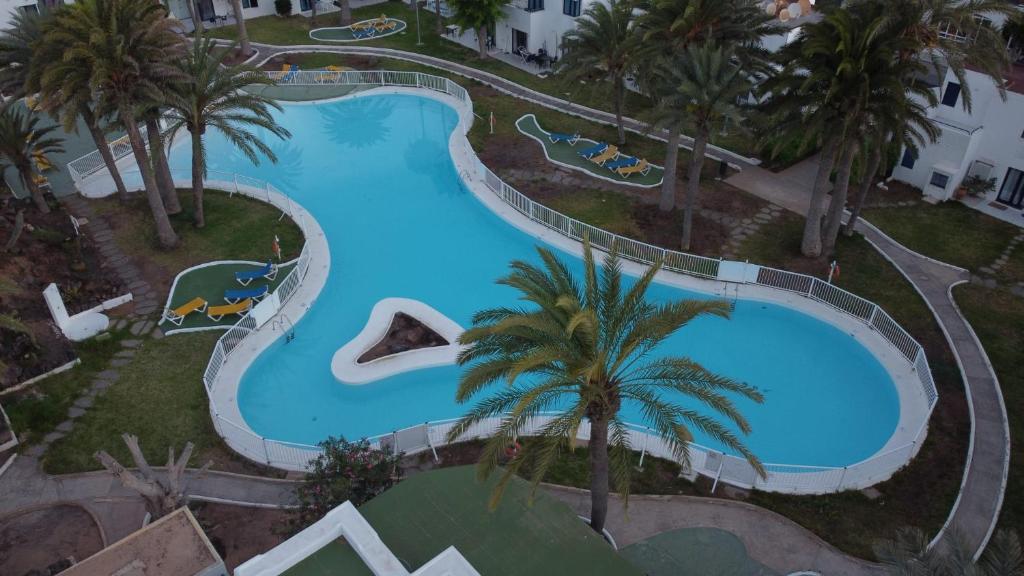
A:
42	162
177	315
362	25
609	153
41	181
215	313
641	167
333	73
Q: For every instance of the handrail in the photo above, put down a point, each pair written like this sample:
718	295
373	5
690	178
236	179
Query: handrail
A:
730	469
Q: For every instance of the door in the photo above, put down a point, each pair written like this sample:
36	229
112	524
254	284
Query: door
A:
206	11
520	41
1012	192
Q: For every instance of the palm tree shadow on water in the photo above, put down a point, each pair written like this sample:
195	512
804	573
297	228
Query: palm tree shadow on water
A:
425	153
358	123
286	172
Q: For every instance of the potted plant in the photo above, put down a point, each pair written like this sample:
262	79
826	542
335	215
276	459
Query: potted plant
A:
975	186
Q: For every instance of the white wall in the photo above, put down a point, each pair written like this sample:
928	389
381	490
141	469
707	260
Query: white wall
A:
545	27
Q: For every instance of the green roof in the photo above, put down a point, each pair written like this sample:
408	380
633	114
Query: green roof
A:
425	514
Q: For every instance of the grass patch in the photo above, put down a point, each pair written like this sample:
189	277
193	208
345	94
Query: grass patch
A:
209	283
608	210
37	410
950	232
997	317
159	397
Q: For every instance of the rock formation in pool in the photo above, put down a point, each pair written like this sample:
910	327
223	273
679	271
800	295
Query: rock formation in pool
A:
405	333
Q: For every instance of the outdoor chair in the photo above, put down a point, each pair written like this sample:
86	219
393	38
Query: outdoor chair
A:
593	150
642	168
291	72
177	315
269	271
215	313
256	293
571	139
621	162
610	153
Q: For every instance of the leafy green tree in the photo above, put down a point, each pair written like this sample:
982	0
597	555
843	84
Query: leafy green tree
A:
583	347
476	15
907	553
213	96
603	42
129	48
344	471
698	89
22	139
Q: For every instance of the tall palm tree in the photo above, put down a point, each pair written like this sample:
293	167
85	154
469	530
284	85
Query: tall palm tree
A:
603	42
345	10
244	48
158	155
583	346
18	43
438	20
476	15
22	139
129	48
699	88
214	96
906	553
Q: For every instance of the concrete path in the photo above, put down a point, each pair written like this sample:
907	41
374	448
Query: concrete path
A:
977	509
771	539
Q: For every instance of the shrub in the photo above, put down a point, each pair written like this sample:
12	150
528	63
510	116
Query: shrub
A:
283	7
352	471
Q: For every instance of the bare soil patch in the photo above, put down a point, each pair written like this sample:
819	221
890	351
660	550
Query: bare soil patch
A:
238	533
32	542
405	333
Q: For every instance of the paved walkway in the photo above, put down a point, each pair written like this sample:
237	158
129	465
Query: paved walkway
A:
977	509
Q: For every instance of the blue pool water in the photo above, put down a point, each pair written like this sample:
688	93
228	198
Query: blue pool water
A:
376	174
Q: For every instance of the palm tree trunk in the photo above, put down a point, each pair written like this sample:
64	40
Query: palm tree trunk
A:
312	16
810	246
838	204
700	144
346	12
868	182
668	183
243	33
100	139
25	171
617	102
438	21
196	22
198	168
598	446
481	38
164	231
163	172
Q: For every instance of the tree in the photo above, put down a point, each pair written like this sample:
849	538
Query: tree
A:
213	96
163	495
243	33
129	48
476	15
21	140
18	43
603	43
907	553
699	88
583	346
344	471
345	10
438	20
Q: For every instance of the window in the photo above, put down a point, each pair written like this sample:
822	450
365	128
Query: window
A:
939	180
30	9
250	4
571	7
949	98
534	5
909	157
304	5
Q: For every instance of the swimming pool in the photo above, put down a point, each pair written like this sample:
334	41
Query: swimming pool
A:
376	174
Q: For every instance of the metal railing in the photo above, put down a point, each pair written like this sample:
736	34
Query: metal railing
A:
714	463
371	78
90	163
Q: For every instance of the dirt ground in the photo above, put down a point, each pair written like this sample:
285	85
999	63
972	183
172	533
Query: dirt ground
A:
31	542
239	533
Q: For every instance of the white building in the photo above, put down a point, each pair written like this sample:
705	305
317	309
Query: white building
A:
987	142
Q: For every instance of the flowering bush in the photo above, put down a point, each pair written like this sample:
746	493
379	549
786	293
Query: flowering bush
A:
345	471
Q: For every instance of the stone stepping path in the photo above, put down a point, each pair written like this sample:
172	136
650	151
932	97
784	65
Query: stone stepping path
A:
742	228
988	279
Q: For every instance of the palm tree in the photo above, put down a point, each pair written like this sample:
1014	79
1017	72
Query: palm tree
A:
583	346
157	153
129	48
476	15
21	140
907	553
243	33
698	88
438	20
214	96
345	11
18	43
602	42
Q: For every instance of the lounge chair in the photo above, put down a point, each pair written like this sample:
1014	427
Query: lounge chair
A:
41	181
610	153
215	313
621	162
571	139
361	25
593	150
331	74
641	168
177	315
42	162
256	293
361	33
269	271
291	71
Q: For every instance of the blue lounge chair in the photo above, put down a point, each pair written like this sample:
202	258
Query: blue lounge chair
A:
269	272
621	162
559	137
293	71
256	293
593	150
364	33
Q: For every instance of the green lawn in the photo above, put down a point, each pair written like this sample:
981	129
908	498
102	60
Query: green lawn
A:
610	211
40	408
568	154
950	232
209	283
998	317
